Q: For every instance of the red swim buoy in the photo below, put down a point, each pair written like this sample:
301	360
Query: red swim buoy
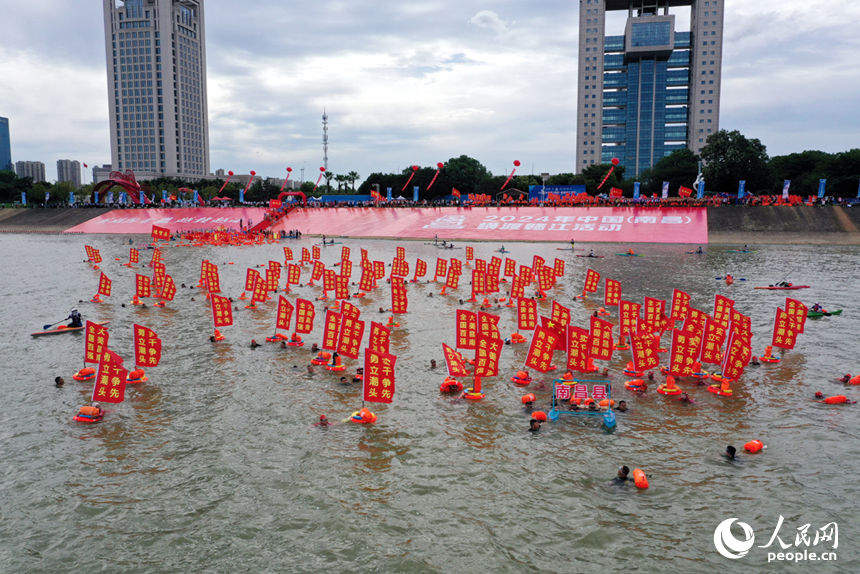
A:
539	416
754	446
639	478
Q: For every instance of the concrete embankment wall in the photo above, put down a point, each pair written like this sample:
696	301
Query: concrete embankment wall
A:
802	225
45	220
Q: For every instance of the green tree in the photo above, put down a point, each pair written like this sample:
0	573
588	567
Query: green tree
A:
465	173
594	174
681	167
729	157
353	175
12	186
341	182
328	177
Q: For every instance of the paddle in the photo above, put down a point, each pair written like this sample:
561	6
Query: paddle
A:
46	327
721	278
786	276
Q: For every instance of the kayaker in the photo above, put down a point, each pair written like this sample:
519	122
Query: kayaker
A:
77	320
817	308
699	250
591	253
630	251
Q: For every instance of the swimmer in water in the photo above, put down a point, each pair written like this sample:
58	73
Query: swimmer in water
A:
534	425
622	477
59	381
730	452
323	422
685	398
622	406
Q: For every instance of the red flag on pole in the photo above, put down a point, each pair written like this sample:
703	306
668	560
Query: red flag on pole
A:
332	329
222	311
540	351
454	362
378	376
285	314
601	344
104	285
160	233
467	329
487	351
577	349
611	293
380	338
96	342
351	334
110	381
526	314
147	347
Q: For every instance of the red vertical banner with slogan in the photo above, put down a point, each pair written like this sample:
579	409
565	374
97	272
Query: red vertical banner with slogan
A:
346	268
546	278
558	267
537	264
797	312
611	292
344	253
316	252
147	347
723	310
288	254
696	319
467	329
379	373
159	272
518	287
487	351
380	338
686	346
453	280
784	331
488	324
470	253
258	294
510	267
680	305
306	255
712	345
653	313
478	285
601	345
110	380
526	314
738	355
420	269
133	255
328	280
161	233
629	313
366	282
332	330
285	314
97	337
305	313
401	252
560	314
540	351
378	269
222	312
456	365
341	287
481	265
577	349
294	274
141	285
104	285
351	334
644	350
399	299
592	280
168	291
272	277
251	276
740	323
441	268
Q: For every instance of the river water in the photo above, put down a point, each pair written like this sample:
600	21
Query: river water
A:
214	465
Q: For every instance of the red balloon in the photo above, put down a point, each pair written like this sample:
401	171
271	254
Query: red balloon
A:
322	169
415	168
253	172
229	173
289	169
440	165
517	163
615	161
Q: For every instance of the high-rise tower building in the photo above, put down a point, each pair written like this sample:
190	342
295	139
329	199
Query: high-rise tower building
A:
156	69
5	146
651	91
34	169
68	170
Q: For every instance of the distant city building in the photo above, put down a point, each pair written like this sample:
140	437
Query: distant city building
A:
5	146
653	90
34	169
68	170
102	173
156	70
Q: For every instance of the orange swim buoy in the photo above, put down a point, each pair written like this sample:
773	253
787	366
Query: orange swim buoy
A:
838	399
753	446
607	403
529	398
637	385
539	416
639	478
855	380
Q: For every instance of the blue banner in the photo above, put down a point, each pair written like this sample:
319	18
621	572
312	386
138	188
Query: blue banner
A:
123	197
96	196
415	193
388	196
822	183
665	189
142	197
785	186
109	198
858	190
71	198
242	195
701	193
742	184
636	190
47	196
164	194
24	197
195	197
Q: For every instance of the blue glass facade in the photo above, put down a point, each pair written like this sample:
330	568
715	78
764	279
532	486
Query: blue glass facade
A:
5	146
651	34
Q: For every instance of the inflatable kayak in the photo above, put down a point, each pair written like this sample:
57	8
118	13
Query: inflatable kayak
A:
502	251
64	330
592	256
792	288
823	313
629	255
695	252
568	249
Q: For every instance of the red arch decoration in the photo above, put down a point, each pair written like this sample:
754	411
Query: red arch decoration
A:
126	181
294	194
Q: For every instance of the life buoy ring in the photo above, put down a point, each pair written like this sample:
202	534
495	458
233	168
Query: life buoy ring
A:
633	373
753	446
136	376
274	339
364	416
701	375
637	385
335	368
89	415
87	420
603	312
639	478
621	347
521	378
607	403
159	304
471	395
719	378
669	387
552	368
85	374
450	386
769	359
359	295
295	343
720	391
321	359
517	338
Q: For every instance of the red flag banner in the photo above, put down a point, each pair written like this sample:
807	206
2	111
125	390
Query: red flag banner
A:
738	355
453	280
306	255
213	278
90	252
470	253
629	313
684	191
797	312
546	278
488	325
537	264
110	380
294	274
363	254
97	256
455	192
714	337
285	314
611	292
491	282
455	266
653	313
332	329
441	268
328	280
160	233
147	347
272	277
560	314
378	269
481	265
510	267
723	310
400	267
104	285
133	255
380	338
454	362
467	329
168	291
159	272
378	376
601	339
366	283
96	342
258	293
222	312
316	252
680	305
558	267
518	287
288	254
526	314
351	334
542	346
305	313
696	319
399	299
478	283
317	271
616	192
341	287
142	286
592	280
577	349
420	269
643	347
401	252
740	323
784	330
344	253
685	352
487	351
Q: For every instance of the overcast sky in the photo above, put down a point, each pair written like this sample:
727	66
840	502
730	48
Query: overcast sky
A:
415	82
